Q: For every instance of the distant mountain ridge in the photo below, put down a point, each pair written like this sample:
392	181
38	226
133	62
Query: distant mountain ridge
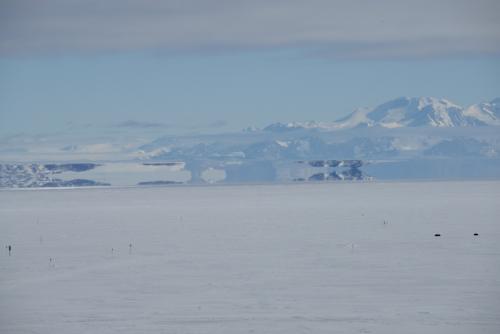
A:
408	112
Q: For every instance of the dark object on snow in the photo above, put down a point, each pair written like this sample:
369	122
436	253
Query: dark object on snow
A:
9	247
476	234
437	235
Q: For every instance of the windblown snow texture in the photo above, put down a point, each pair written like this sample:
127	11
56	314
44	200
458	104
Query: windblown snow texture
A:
322	258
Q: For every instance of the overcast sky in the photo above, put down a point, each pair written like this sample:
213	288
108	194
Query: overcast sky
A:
231	62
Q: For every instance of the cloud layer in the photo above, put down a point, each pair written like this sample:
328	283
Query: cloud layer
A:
338	28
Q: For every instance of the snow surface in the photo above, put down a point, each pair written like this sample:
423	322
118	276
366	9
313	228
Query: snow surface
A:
252	259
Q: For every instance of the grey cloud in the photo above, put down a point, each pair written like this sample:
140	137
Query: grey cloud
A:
363	28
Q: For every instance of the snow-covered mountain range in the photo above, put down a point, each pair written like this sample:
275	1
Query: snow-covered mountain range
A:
404	138
408	112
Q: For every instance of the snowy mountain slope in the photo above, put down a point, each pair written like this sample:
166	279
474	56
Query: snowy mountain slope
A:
408	112
486	112
424	111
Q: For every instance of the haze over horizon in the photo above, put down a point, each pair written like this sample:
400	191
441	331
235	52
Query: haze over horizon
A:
225	65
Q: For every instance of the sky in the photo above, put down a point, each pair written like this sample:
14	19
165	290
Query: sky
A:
226	65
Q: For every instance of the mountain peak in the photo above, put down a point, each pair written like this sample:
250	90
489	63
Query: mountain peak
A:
415	112
426	101
408	112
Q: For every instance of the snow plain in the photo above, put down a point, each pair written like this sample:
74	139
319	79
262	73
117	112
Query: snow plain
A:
252	259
